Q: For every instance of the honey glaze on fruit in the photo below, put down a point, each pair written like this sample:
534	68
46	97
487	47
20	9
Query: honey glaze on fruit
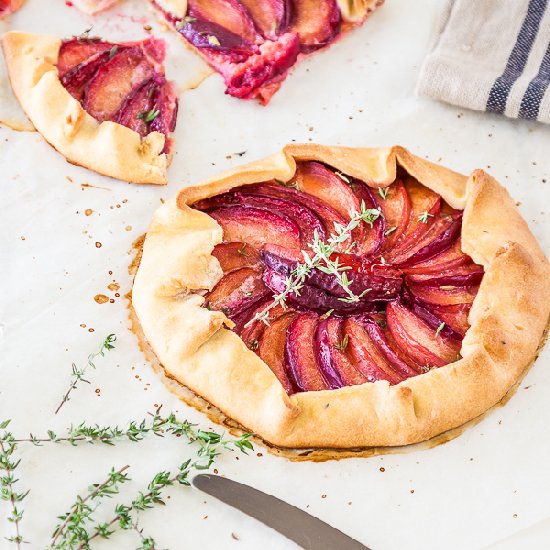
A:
334	283
122	83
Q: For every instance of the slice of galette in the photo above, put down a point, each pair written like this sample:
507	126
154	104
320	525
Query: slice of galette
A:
103	105
254	43
331	297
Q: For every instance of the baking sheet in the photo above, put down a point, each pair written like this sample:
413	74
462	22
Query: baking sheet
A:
491	483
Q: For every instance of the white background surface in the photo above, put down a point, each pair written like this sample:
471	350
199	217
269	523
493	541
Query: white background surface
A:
485	486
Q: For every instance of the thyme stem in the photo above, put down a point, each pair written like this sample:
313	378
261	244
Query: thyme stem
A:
108	487
7	481
78	374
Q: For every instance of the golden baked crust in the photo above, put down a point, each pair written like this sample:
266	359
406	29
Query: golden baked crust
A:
508	316
356	11
107	147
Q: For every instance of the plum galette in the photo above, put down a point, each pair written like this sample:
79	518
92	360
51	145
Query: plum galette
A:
103	105
254	43
338	297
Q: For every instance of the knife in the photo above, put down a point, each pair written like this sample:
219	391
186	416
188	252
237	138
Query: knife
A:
305	530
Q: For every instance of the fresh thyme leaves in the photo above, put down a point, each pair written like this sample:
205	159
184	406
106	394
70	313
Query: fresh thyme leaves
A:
113	51
423	217
383	192
148	116
439	329
289	184
326	315
253	345
321	260
77	527
72	528
343	177
210	446
78	374
8	465
242	251
85	35
343	344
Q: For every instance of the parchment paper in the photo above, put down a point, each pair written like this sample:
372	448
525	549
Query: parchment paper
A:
489	484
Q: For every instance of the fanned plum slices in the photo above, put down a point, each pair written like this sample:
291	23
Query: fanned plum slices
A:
400	310
122	83
254	43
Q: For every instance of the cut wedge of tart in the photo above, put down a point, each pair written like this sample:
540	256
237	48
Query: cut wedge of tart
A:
330	297
103	105
253	44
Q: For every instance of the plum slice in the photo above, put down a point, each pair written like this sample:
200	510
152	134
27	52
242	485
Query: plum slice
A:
76	79
405	368
228	14
337	368
256	226
236	291
372	233
453	320
301	363
78	50
272	17
394	203
328	215
419	340
366	356
272	347
124	73
439	237
207	35
251	329
425	206
304	217
468	274
443	295
316	21
446	260
316	179
236	255
140	102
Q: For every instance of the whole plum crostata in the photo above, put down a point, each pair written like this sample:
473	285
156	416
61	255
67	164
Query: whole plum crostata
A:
254	43
103	105
341	298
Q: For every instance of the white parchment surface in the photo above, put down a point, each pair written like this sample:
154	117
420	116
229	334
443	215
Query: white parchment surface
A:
66	235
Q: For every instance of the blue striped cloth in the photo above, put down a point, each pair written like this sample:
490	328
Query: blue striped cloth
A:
492	55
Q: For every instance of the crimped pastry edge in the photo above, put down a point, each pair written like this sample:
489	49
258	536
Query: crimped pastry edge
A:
108	148
507	319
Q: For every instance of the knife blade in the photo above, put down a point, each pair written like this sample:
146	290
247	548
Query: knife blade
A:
304	529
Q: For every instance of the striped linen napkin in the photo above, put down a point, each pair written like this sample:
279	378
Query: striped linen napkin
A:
492	55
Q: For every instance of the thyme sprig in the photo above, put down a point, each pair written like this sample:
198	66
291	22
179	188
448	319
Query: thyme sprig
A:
135	431
72	529
78	374
8	465
321	260
424	216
